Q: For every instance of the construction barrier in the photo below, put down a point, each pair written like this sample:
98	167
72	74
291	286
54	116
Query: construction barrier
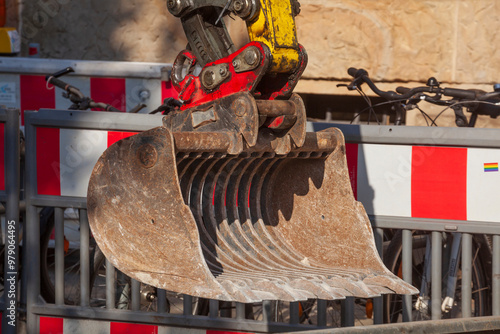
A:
394	171
62	147
124	85
430	179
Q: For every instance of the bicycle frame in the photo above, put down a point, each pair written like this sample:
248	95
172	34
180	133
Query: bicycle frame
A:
423	299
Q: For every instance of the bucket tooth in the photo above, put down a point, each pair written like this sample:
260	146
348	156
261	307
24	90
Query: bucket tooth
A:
283	290
270	222
380	290
354	288
319	290
240	291
389	282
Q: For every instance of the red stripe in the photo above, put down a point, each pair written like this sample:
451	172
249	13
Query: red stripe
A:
114	136
109	90
2	156
351	153
167	90
439	183
51	325
125	328
35	95
48	168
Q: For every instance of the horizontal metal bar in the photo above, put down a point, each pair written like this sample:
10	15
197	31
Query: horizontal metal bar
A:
59	201
86	68
414	135
91	120
469	325
166	319
441	225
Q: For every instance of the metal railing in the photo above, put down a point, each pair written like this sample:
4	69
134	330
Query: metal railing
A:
217	318
483	139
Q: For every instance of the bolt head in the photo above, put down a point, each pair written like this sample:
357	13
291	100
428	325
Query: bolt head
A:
240	107
238	5
251	56
223	71
176	7
208	78
148	156
144	94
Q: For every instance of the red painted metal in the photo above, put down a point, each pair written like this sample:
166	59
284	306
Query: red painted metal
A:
193	94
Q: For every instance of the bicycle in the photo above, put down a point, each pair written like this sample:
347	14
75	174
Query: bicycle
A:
477	103
404	99
71	252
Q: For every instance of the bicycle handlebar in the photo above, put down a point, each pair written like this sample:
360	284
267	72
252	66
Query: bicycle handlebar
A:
361	75
75	95
64	86
478	102
404	93
100	105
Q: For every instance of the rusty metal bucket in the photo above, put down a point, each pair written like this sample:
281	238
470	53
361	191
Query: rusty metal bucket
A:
177	211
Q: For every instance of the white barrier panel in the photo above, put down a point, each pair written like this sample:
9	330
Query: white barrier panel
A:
124	85
454	183
66	157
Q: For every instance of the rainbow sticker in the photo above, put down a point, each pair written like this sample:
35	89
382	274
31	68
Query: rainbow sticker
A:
491	167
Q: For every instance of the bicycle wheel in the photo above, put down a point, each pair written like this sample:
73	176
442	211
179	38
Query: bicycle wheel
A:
71	259
308	312
421	310
123	288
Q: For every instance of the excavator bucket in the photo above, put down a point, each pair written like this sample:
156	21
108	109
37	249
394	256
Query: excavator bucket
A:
231	199
195	213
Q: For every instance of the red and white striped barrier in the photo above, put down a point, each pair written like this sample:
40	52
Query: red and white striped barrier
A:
74	326
426	181
121	93
66	157
390	180
121	84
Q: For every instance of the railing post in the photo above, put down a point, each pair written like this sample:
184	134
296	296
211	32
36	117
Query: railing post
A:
407	263
347	312
496	275
322	305
436	275
59	255
33	236
378	302
84	258
187	305
135	294
466	275
110	286
294	313
161	296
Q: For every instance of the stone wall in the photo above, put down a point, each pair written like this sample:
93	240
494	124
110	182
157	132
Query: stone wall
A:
12	13
396	41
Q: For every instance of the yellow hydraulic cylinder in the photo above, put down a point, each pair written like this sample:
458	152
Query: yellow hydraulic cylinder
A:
275	27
